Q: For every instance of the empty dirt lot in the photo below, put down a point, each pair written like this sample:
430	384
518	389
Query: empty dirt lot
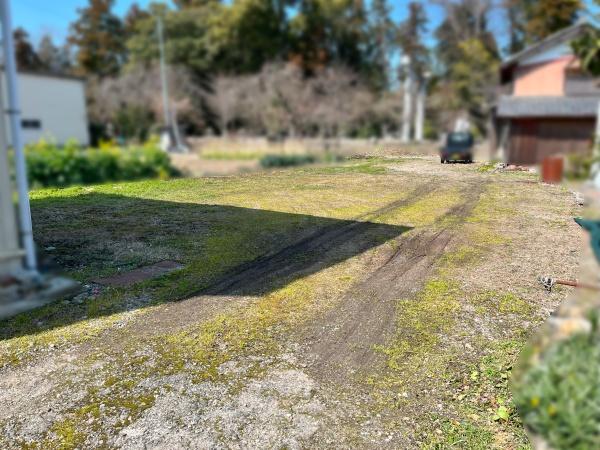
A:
380	303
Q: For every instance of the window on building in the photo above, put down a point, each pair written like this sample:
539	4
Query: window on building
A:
31	124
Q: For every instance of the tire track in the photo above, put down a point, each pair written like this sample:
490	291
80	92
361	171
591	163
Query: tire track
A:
255	275
341	342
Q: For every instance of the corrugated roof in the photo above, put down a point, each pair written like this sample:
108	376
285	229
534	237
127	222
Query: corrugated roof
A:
547	106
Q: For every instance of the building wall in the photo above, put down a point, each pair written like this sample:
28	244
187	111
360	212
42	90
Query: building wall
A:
532	140
543	79
52	108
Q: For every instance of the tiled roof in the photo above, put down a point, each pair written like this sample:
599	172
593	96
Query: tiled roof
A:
509	106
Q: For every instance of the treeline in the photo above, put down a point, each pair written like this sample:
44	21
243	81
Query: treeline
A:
290	67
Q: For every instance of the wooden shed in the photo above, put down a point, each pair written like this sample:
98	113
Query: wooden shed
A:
535	128
547	105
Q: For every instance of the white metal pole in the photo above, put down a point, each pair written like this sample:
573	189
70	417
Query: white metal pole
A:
407	107
163	71
14	115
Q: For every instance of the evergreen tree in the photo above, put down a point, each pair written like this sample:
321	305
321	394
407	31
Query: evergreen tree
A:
216	38
587	48
181	4
544	17
134	15
468	57
529	21
326	32
463	21
517	19
411	37
25	54
98	35
383	31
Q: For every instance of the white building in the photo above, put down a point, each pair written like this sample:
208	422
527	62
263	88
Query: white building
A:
52	107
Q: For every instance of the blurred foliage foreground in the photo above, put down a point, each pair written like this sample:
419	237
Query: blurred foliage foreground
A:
51	165
558	396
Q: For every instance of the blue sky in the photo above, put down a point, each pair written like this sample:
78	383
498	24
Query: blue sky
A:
39	17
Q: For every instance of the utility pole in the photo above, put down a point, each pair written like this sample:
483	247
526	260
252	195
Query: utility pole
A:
407	107
171	127
163	71
14	114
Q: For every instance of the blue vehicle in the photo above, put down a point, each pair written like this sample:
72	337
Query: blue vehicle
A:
458	148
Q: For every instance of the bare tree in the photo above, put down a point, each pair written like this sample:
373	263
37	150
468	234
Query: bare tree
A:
139	89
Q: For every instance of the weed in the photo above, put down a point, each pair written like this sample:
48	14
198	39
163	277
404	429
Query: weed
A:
461	435
560	397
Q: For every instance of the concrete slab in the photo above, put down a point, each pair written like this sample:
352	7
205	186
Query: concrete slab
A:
141	274
15	299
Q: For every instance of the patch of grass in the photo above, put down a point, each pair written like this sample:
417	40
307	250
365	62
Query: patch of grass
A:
210	225
370	166
487	167
459	258
269	161
482	394
65	435
425	210
420	323
493	205
254	329
460	435
71	432
505	303
21	349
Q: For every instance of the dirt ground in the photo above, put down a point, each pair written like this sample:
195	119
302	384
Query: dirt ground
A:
193	165
380	303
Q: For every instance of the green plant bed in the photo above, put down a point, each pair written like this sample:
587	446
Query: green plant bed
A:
286	160
559	398
51	165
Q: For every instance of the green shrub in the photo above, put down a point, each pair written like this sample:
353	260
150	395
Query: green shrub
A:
579	166
50	165
559	398
286	160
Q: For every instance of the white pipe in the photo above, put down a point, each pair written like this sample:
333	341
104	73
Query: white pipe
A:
420	112
163	71
407	107
15	127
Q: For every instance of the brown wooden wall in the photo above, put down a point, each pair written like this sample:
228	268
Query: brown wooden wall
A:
531	140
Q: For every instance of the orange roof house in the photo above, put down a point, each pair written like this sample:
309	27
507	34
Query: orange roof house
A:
547	105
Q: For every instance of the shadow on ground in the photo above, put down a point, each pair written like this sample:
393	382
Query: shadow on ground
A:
226	250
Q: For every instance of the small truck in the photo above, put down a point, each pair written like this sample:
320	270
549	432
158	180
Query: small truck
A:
458	148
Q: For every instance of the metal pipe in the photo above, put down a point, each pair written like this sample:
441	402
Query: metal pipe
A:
15	128
549	283
407	107
163	71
